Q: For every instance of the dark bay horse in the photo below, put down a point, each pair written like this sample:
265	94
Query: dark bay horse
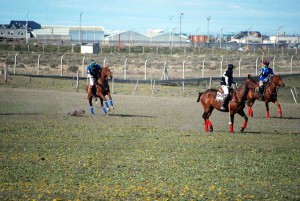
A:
102	90
236	105
270	95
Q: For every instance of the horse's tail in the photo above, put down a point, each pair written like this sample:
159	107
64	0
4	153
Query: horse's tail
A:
200	93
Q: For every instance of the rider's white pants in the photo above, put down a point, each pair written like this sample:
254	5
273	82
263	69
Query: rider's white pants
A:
225	89
91	80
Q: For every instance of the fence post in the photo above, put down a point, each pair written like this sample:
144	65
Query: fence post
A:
221	69
137	82
146	69
61	64
104	62
43	48
125	68
77	81
82	66
203	64
165	72
274	64
183	76
256	66
292	65
27	48
15	66
112	85
39	64
240	67
294	96
5	74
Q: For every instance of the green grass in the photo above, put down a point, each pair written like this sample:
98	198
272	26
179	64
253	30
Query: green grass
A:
149	149
58	158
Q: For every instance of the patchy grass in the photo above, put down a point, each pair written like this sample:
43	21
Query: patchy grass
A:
60	158
147	149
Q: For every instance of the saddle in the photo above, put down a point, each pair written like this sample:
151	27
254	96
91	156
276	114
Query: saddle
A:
220	94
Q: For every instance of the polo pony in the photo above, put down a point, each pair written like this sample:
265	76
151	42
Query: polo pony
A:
102	90
236	105
270	95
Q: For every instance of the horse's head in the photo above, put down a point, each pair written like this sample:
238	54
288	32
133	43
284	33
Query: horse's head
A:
277	81
251	83
106	73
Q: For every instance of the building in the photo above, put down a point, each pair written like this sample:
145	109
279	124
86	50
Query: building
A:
247	37
282	39
72	34
17	29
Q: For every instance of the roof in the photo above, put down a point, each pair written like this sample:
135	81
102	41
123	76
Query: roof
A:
14	24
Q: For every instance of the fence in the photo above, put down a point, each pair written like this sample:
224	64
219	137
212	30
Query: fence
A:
159	68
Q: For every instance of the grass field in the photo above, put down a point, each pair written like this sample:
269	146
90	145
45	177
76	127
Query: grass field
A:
148	148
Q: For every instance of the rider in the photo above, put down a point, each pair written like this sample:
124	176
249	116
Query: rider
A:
264	73
93	72
226	82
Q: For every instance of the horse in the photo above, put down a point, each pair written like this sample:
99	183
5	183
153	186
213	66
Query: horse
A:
102	90
270	95
236	105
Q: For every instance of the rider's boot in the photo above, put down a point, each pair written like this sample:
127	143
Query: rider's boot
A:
94	92
261	93
223	107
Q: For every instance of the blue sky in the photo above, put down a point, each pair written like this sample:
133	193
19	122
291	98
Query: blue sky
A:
230	15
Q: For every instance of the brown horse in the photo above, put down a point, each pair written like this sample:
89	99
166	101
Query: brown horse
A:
270	95
102	89
236	105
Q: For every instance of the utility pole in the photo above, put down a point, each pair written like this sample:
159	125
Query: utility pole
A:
208	18
181	14
277	36
26	38
80	27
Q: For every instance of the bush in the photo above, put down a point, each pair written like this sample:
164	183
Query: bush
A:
73	68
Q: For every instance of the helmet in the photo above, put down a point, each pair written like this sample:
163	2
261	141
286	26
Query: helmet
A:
266	62
93	64
230	66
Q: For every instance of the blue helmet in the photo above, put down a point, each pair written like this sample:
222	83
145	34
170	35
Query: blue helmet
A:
93	64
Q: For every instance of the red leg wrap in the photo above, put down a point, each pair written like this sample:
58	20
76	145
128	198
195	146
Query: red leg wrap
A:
231	128
249	111
244	125
205	126
268	114
209	125
279	111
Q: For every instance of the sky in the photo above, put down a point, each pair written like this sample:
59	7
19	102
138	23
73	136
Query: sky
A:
232	16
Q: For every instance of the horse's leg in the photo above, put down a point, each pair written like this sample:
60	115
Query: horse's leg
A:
110	101
106	105
89	96
267	109
242	113
102	106
207	124
102	97
250	111
231	122
279	108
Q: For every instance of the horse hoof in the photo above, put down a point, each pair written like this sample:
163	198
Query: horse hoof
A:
242	129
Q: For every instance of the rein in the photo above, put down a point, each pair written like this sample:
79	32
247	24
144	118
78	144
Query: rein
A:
271	84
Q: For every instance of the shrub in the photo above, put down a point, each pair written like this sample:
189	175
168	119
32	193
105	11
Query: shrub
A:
73	68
